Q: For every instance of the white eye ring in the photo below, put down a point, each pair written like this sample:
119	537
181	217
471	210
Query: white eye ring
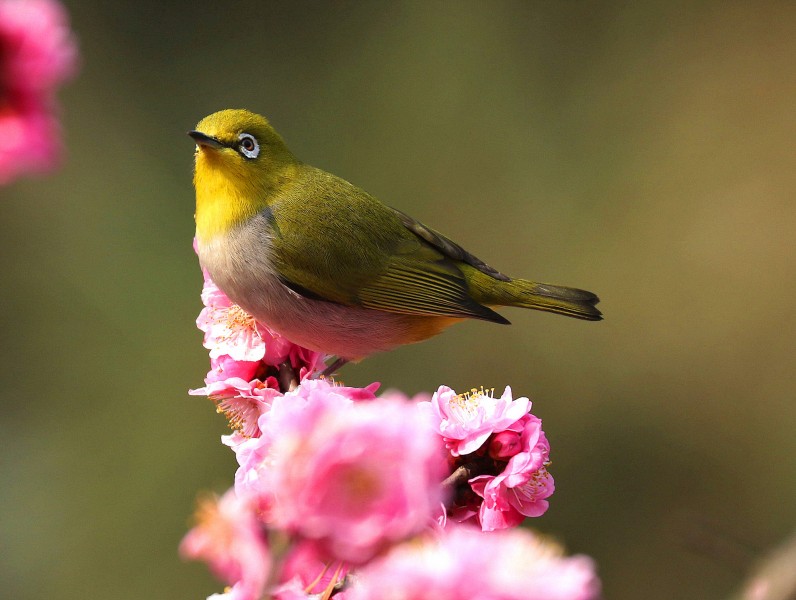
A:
248	145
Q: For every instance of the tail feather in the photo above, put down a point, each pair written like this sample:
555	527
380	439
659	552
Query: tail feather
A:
558	299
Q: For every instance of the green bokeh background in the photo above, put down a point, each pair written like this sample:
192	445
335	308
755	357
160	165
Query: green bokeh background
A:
641	150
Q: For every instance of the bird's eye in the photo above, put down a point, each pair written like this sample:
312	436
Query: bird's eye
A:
248	145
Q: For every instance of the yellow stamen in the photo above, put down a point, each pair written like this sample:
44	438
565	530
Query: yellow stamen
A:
469	401
239	318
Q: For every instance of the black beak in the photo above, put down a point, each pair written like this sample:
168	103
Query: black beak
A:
202	139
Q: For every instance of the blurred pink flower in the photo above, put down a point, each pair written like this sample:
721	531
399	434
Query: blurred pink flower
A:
350	476
308	571
230	538
299	407
393	394
365	477
292	590
464	563
37	54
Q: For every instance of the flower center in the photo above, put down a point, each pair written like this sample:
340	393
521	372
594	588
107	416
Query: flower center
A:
468	402
237	318
241	413
209	518
357	488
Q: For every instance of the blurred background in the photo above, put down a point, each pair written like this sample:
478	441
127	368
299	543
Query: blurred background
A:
644	151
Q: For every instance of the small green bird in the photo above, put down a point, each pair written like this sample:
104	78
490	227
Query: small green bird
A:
326	264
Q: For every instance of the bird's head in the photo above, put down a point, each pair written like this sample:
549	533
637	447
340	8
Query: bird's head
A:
240	163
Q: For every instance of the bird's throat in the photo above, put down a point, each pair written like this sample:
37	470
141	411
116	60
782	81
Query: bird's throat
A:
224	202
220	209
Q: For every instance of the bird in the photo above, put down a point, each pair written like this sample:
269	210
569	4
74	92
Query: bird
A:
327	265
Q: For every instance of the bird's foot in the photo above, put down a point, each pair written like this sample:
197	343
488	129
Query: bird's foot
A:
334	367
288	378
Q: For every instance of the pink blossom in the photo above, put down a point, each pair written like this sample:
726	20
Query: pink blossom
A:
505	445
234	440
357	394
229	330
229	537
465	563
351	477
241	401
364	479
225	367
533	454
506	506
465	421
252	452
37	54
299	408
521	488
306	361
501	447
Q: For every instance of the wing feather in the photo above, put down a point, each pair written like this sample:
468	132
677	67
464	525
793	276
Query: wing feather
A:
400	266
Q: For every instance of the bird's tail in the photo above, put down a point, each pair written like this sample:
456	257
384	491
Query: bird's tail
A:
558	299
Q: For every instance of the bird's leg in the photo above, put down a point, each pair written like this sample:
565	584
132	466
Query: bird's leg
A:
334	367
288	378
456	485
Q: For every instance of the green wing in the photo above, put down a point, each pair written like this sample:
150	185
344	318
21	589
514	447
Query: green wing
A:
334	242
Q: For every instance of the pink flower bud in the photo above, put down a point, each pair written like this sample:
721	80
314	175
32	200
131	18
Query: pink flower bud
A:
504	445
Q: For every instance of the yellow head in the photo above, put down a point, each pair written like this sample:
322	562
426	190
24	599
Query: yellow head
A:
240	162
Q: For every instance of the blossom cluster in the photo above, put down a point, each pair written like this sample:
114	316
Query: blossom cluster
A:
342	492
245	360
37	54
500	450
